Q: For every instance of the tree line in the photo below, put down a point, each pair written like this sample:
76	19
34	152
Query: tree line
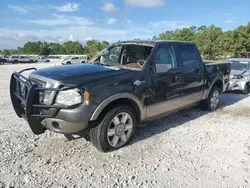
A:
69	47
212	41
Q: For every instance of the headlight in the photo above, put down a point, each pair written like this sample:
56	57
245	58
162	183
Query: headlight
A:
69	97
45	96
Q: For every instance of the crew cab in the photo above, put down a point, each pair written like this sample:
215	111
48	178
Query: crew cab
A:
125	84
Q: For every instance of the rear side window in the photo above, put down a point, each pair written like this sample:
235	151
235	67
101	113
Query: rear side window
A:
188	55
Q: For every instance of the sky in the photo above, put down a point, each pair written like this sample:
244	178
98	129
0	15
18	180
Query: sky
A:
111	20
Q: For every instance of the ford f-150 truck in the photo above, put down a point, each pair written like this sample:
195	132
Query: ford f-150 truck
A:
125	84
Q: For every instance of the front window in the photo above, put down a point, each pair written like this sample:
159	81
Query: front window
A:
236	65
125	55
164	59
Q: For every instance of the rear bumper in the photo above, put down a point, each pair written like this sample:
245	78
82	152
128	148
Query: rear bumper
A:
58	118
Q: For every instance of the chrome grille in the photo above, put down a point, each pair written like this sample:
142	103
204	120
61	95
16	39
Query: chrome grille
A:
45	97
40	82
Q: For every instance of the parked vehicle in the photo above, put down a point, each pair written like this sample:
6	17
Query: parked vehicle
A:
240	75
20	59
73	60
127	83
2	60
40	59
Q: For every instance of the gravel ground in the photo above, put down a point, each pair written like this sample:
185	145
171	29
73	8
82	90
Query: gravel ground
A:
191	148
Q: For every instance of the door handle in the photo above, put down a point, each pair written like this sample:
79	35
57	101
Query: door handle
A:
177	78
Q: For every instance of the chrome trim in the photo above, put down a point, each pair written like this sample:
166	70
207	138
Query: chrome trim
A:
42	78
117	96
55	84
172	104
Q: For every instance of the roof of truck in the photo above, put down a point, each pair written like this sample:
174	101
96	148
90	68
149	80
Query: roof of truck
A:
152	42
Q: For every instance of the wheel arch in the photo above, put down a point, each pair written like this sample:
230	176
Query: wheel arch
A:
219	84
218	81
119	99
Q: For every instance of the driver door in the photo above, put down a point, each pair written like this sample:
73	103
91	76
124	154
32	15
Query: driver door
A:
166	81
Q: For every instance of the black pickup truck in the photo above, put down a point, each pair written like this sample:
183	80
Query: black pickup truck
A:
127	83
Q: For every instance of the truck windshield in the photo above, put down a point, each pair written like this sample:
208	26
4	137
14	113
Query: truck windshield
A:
129	56
239	66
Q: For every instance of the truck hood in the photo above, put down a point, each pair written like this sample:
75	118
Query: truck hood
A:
77	74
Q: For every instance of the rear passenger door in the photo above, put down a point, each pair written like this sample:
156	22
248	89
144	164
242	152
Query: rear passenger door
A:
193	72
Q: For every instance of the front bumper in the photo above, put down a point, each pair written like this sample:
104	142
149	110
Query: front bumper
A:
66	127
235	86
58	118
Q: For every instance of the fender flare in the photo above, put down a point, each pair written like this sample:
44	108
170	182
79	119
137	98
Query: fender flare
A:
115	97
218	78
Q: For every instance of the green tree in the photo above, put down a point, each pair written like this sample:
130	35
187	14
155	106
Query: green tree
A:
201	28
92	47
44	49
6	52
73	47
241	41
56	48
168	35
225	43
208	42
185	34
31	47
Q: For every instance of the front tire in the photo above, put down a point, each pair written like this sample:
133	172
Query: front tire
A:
246	89
115	130
213	100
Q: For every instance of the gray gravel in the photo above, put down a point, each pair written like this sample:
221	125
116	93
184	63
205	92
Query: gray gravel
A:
191	148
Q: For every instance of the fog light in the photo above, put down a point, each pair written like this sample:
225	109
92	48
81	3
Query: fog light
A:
56	125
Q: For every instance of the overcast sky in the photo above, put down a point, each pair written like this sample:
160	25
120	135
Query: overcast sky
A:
111	20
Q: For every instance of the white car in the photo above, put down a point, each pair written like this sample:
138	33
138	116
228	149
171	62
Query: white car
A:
20	59
73	60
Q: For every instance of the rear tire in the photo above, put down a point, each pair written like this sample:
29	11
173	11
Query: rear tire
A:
213	100
115	130
246	89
